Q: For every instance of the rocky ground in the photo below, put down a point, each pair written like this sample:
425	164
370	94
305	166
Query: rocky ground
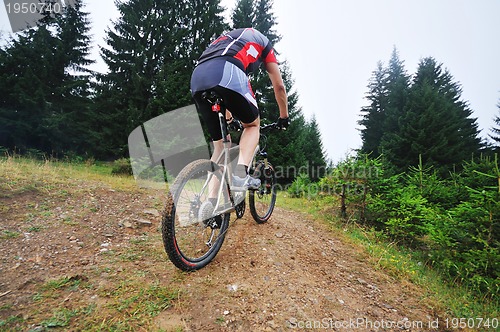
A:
88	256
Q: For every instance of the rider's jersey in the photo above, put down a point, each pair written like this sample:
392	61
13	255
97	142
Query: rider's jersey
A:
247	45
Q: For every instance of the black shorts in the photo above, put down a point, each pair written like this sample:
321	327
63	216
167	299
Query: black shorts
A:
229	81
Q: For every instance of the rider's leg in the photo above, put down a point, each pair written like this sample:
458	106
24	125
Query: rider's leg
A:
218	147
213	185
248	142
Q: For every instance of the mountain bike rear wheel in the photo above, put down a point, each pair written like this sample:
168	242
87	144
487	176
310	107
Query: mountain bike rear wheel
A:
262	200
192	233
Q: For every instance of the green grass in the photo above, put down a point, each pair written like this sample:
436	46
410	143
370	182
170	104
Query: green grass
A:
61	318
21	175
439	295
220	320
55	288
7	234
10	321
148	301
35	229
127	303
70	282
133	303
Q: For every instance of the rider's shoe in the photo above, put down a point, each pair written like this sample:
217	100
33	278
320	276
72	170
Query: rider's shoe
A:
245	183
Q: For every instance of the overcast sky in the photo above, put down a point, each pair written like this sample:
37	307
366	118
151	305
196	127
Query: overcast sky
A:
333	47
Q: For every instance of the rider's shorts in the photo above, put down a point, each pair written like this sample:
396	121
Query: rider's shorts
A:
231	82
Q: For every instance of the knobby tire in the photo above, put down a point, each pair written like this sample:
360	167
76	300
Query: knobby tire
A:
170	225
262	201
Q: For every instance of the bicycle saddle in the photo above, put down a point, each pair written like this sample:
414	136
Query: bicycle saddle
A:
211	96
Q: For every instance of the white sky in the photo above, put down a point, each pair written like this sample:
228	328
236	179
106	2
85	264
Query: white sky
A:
333	47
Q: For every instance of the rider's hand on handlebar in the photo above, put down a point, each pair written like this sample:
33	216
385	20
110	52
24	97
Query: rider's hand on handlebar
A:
283	123
234	125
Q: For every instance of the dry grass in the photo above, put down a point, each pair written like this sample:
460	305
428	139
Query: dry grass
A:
18	175
120	292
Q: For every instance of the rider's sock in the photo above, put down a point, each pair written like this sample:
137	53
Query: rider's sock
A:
241	170
213	201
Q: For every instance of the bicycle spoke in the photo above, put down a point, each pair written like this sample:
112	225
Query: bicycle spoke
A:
192	233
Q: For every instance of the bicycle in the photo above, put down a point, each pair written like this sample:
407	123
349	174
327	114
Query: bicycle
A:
193	230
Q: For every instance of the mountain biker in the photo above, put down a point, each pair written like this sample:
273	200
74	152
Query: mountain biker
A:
224	67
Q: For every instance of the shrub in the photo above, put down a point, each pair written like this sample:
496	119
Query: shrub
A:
122	167
456	220
300	186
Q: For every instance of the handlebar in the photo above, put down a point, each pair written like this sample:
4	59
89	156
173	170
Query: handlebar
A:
236	126
271	126
268	126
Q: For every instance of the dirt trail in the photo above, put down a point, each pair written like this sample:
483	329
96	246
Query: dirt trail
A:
290	273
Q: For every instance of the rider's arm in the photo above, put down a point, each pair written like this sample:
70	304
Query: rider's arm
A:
279	88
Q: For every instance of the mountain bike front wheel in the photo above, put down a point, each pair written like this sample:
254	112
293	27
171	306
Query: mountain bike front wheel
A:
192	232
262	200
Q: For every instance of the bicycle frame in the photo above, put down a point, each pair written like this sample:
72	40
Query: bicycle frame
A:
223	160
225	154
191	246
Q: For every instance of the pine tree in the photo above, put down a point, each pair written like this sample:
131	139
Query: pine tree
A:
265	20
45	85
73	35
388	93
206	22
374	115
495	136
424	116
151	53
243	15
313	150
436	125
397	86
25	84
